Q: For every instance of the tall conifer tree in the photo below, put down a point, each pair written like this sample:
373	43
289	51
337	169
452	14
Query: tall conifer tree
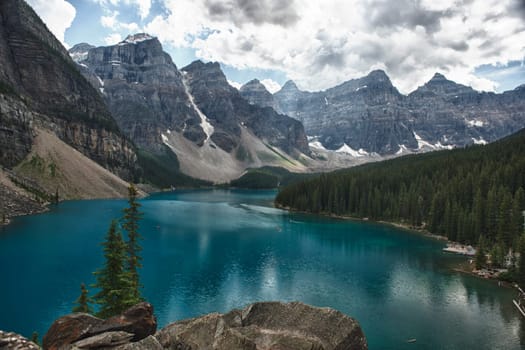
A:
130	223
113	281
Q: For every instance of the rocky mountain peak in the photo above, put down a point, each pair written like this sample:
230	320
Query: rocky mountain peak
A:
137	38
257	94
378	75
79	52
210	72
439	85
253	84
438	77
289	86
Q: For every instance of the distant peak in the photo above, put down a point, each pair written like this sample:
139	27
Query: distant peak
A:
254	84
290	85
137	38
378	73
438	76
81	47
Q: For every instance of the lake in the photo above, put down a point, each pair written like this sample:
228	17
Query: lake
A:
214	250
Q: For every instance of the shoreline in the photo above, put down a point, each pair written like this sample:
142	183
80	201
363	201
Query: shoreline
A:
459	267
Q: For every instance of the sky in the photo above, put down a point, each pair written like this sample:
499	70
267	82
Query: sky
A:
318	44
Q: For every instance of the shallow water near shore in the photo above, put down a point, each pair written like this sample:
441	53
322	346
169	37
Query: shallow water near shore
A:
214	250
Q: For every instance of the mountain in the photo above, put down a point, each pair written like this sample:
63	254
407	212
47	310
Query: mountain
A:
256	94
370	115
191	116
45	99
229	111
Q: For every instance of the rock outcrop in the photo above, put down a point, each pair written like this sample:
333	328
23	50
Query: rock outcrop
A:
265	325
13	341
84	331
370	115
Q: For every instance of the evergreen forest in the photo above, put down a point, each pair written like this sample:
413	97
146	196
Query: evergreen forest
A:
472	195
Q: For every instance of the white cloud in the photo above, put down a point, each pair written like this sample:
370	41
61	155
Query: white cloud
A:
271	85
320	44
111	21
235	84
143	6
56	14
113	39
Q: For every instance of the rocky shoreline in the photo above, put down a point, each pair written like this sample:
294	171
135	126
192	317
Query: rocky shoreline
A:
259	326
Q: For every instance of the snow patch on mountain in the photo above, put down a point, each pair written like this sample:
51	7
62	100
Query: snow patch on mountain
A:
349	150
136	38
205	124
475	123
479	141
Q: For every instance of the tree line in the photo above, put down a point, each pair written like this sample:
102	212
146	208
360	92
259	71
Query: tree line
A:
472	195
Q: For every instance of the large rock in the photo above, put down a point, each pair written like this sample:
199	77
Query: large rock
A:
136	323
267	325
13	341
68	329
138	320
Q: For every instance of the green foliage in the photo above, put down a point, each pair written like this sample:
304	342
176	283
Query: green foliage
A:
521	262
113	281
256	180
162	170
130	223
461	194
268	177
83	301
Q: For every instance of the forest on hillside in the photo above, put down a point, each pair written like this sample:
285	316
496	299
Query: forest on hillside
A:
467	195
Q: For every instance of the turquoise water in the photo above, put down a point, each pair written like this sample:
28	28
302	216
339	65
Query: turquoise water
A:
208	251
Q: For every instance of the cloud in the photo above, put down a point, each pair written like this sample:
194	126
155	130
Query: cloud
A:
56	14
110	21
322	43
278	12
235	84
271	85
113	39
143	7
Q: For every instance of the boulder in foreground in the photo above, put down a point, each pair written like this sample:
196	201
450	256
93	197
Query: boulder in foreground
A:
259	326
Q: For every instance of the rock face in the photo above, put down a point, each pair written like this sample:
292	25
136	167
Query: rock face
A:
144	90
228	111
40	83
266	325
370	115
214	132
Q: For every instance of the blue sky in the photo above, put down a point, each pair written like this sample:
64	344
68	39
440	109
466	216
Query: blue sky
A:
480	43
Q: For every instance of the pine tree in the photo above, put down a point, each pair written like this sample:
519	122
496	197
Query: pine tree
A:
113	281
521	263
481	258
131	218
83	301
